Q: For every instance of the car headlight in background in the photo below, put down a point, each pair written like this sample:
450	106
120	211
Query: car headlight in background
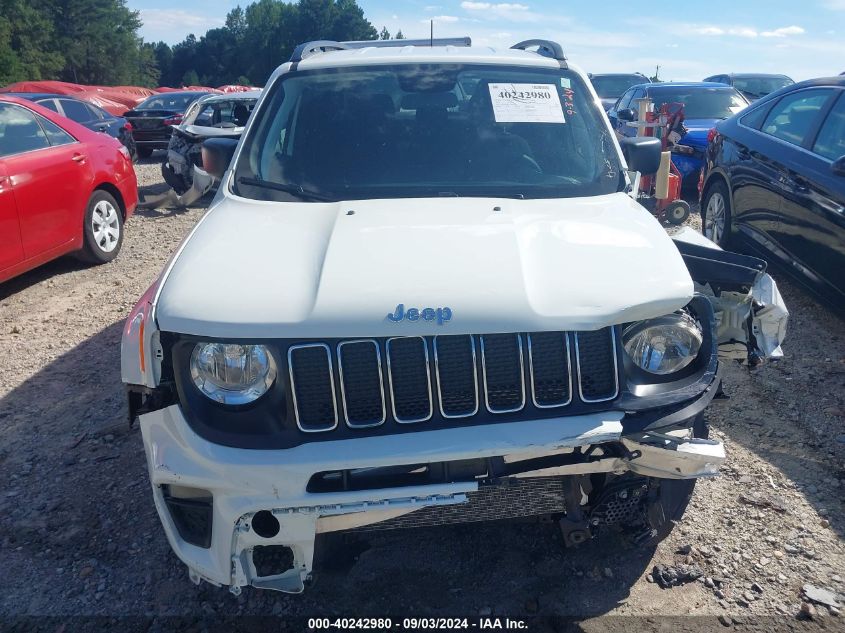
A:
231	373
664	345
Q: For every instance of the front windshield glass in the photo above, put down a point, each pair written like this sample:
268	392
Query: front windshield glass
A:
702	103
614	86
169	101
756	87
425	131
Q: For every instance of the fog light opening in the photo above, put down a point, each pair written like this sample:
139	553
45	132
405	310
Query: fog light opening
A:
265	524
272	560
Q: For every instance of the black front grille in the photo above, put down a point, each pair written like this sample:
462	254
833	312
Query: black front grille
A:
313	386
503	377
596	355
359	364
550	370
457	381
410	380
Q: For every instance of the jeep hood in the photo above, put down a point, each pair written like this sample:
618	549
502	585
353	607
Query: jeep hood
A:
309	270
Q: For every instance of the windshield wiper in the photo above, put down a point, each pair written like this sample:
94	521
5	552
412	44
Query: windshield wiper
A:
296	190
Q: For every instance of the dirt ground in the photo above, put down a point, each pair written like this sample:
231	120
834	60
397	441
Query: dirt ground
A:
80	535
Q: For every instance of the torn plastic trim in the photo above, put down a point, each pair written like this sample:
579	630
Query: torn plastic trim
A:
751	315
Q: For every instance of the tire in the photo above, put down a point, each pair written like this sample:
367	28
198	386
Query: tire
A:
677	212
716	220
675	494
144	152
102	231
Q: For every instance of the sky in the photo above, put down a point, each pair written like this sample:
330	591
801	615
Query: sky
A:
689	40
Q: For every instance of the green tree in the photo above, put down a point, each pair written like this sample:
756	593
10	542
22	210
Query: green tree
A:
190	78
27	48
384	34
399	35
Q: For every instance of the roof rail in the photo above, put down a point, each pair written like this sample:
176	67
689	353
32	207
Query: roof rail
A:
546	48
312	48
321	46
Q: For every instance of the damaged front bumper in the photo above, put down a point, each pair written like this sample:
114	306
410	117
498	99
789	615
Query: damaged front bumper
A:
258	500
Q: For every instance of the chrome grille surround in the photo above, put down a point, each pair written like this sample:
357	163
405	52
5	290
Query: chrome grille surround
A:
521	377
439	389
349	423
615	370
291	350
392	389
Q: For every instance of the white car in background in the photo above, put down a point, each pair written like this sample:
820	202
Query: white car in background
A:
425	293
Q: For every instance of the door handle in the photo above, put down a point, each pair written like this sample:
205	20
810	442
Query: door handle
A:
78	158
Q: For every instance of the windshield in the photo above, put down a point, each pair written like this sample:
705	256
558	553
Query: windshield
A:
614	86
177	101
425	131
231	113
702	103
756	87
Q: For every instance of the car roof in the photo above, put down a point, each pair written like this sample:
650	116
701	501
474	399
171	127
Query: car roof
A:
427	54
759	75
839	80
32	96
618	75
231	96
686	84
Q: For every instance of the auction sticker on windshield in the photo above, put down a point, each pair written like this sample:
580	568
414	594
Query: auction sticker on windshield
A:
526	103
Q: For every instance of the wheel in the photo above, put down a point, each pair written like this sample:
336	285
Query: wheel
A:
102	233
144	152
677	212
175	181
716	214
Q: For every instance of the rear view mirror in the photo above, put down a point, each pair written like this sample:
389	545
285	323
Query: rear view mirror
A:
838	166
642	153
627	115
217	154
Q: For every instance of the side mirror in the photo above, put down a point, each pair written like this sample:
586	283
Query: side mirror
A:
217	154
642	153
627	115
838	166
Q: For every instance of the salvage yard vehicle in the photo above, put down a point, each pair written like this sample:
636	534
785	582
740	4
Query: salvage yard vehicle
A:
753	86
414	304
152	119
704	105
63	189
212	116
86	114
775	183
609	87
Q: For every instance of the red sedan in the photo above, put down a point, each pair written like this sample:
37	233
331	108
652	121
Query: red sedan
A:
63	189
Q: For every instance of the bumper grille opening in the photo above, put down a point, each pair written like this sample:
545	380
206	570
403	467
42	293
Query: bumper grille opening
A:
596	353
509	499
550	371
410	384
272	560
192	517
359	363
313	386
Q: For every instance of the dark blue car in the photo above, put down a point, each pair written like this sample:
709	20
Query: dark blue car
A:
774	183
704	105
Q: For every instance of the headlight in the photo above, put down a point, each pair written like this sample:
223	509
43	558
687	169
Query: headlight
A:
663	345
231	373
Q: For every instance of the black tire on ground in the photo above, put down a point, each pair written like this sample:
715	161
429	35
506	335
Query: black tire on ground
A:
102	230
710	211
677	212
144	152
675	494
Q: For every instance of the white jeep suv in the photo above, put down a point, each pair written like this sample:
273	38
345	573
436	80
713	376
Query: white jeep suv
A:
426	293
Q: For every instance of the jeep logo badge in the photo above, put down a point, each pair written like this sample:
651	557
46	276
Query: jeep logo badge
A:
441	315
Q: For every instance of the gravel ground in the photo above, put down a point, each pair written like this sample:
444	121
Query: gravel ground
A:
80	535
